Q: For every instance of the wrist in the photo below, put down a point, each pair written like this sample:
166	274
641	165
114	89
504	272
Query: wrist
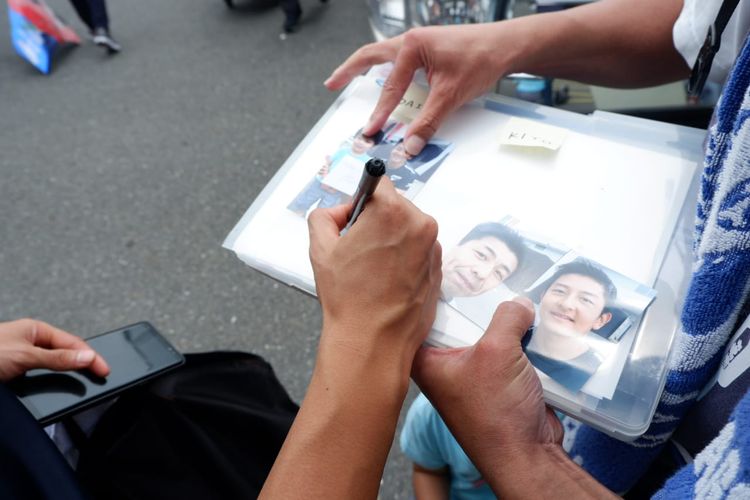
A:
349	367
368	356
541	471
525	41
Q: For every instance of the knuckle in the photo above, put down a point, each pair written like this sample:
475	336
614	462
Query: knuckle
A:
368	52
413	37
486	349
506	309
430	228
391	87
25	356
393	206
313	218
63	358
438	254
515	314
26	323
429	124
448	90
29	327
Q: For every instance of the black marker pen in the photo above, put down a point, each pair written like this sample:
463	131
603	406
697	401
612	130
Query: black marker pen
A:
371	175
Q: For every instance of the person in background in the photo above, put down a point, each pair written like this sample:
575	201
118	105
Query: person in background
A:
292	14
440	468
94	14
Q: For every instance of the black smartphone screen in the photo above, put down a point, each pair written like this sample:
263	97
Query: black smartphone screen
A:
135	353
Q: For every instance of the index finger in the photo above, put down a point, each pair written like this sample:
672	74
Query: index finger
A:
324	225
50	337
363	58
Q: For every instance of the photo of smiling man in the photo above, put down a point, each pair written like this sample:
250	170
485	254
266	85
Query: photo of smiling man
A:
573	305
484	258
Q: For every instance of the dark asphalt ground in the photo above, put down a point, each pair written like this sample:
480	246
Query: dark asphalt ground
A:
121	176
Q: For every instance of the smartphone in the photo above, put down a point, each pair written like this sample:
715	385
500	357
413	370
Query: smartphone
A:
135	354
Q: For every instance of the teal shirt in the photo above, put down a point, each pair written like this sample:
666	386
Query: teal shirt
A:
339	155
426	440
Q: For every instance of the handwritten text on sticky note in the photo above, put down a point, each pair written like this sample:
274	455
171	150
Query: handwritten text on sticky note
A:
528	133
411	104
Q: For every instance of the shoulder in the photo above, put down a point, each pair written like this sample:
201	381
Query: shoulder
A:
422	415
589	359
339	154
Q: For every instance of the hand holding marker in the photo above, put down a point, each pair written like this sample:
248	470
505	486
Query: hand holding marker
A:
371	175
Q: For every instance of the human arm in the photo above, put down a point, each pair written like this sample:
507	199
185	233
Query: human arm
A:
491	399
326	167
619	43
431	484
378	288
28	343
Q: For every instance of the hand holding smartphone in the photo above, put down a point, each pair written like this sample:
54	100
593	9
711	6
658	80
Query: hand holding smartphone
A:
135	354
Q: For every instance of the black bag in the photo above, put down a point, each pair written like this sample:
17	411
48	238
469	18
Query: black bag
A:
209	430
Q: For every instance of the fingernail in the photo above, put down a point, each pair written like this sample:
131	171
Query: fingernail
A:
85	357
328	81
524	301
414	145
367	130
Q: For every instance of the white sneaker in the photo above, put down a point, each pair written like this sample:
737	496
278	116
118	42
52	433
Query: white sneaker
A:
102	38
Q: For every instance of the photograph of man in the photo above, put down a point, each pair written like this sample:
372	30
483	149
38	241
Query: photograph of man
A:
326	196
573	303
482	260
400	173
538	258
409	173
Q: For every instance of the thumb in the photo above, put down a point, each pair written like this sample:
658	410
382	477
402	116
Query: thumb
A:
510	321
434	366
325	224
62	359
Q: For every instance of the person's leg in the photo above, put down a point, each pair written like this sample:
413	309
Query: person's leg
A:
292	13
84	12
331	199
307	197
30	465
100	30
99	18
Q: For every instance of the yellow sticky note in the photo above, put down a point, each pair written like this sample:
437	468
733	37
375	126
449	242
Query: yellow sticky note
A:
528	133
411	104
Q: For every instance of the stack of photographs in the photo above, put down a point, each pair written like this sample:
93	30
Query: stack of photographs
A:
586	314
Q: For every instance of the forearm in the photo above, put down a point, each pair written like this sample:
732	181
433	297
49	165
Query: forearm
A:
430	485
542	472
339	442
621	43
